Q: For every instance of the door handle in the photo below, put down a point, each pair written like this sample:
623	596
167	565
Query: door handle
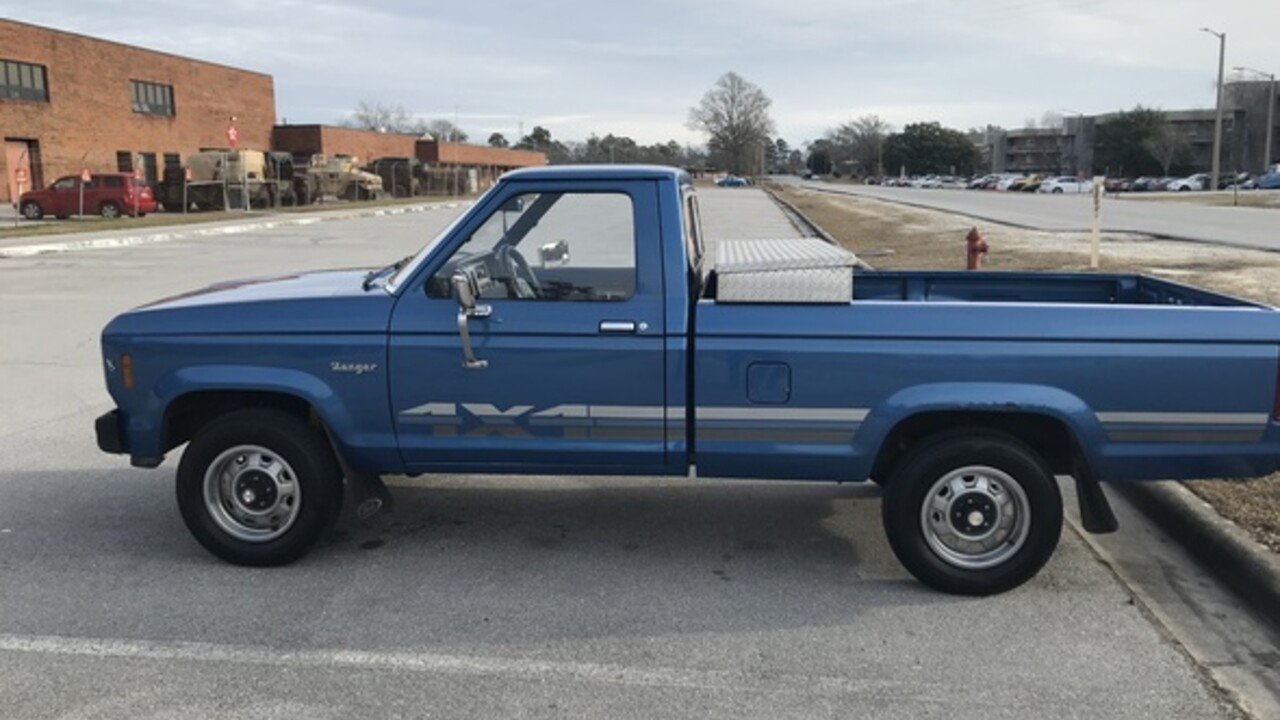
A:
617	327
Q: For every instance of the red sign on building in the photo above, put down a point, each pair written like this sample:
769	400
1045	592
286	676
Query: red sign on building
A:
233	135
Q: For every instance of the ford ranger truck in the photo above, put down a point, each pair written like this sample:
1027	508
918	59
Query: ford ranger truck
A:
568	323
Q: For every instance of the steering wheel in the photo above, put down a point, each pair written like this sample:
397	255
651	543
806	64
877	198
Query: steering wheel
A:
522	282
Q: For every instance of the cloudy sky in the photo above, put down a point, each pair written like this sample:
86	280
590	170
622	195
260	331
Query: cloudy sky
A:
596	66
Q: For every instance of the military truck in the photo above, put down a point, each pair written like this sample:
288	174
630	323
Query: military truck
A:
221	178
340	176
401	176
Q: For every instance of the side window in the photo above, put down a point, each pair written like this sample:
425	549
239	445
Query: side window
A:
550	246
66	183
112	181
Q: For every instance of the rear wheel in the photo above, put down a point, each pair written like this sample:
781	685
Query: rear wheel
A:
31	210
259	487
972	513
109	210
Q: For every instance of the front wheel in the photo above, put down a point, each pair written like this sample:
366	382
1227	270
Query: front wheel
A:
31	210
259	487
972	513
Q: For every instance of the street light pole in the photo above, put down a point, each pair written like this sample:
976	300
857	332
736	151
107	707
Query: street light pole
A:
1216	165
1271	112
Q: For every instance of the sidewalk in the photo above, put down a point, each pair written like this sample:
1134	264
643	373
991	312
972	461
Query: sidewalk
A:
70	242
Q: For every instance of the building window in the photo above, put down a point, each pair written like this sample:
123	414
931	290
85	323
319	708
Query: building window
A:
152	98
23	81
124	161
172	160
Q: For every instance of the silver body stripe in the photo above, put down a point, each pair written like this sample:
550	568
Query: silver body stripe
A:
850	415
1183	418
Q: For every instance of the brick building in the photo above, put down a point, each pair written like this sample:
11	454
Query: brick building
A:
458	167
69	101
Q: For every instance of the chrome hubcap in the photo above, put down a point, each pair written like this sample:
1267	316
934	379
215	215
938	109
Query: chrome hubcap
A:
975	517
252	493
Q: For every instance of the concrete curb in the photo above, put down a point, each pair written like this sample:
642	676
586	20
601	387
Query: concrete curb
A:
804	224
1226	550
182	232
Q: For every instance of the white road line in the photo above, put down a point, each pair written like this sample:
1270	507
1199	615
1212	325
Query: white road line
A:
438	663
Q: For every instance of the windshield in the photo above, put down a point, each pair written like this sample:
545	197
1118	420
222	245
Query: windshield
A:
407	269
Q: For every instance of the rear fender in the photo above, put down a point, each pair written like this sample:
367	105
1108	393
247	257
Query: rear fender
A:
982	398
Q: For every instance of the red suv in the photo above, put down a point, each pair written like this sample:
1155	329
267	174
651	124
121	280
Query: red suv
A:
107	194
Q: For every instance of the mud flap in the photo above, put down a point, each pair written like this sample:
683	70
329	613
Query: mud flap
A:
1095	510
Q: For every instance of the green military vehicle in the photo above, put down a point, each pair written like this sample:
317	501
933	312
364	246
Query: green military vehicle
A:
401	176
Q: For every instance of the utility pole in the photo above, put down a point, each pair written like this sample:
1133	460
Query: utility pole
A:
1216	165
1271	112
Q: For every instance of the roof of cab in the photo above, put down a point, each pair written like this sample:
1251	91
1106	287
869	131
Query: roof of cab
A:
599	172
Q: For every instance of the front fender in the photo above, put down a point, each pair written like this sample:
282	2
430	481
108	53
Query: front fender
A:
145	428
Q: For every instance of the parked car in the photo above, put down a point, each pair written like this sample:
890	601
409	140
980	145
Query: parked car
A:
1270	181
1021	183
732	181
1065	184
1199	181
1007	182
107	194
498	349
1113	185
1145	183
929	182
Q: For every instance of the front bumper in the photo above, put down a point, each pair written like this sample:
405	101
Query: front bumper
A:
110	439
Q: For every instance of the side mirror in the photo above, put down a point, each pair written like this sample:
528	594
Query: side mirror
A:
465	293
553	254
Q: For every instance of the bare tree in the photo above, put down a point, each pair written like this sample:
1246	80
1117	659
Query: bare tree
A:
859	144
735	114
445	131
372	115
1165	144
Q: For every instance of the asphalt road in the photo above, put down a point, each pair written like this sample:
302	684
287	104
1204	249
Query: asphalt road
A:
497	597
1239	226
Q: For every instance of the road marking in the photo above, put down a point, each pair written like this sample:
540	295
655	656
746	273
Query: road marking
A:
526	669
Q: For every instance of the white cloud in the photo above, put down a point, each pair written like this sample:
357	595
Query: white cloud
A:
584	66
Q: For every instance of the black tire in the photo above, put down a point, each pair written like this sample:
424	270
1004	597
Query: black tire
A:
31	210
304	449
915	475
1058	191
109	210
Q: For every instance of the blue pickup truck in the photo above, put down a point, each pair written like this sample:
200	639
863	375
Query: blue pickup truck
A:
569	323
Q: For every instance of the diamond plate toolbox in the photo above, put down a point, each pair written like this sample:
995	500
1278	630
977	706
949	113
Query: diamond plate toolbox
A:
783	270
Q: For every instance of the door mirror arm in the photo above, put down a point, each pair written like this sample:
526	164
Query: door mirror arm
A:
467	309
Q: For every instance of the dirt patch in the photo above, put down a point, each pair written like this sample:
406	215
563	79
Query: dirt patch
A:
892	236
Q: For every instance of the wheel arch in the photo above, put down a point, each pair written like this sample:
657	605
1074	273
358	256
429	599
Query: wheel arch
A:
1055	423
1049	436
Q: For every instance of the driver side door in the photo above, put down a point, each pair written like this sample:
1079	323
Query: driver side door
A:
571	337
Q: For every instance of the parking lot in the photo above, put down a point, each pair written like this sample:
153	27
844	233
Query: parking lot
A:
514	597
1239	226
